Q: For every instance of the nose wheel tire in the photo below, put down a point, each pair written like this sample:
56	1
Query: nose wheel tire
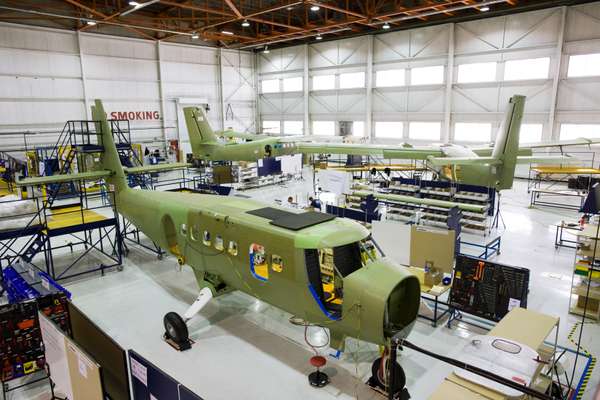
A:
175	328
380	375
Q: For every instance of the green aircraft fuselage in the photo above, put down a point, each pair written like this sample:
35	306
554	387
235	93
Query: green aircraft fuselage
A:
493	167
230	245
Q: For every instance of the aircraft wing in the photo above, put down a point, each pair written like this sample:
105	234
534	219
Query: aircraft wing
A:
421	201
441	161
146	169
385	151
81	176
562	143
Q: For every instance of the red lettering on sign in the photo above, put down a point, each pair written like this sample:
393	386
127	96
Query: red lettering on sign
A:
135	115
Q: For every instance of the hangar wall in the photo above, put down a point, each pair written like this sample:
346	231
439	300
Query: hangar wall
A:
553	99
49	76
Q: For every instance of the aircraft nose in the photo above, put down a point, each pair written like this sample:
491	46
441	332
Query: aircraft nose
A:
387	296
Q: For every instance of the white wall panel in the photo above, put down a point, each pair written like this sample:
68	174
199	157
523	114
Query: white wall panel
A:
41	88
42	84
13	36
118	47
31	63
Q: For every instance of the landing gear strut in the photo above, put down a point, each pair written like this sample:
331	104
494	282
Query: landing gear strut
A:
176	330
388	376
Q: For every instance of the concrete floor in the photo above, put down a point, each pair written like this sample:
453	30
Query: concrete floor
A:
246	348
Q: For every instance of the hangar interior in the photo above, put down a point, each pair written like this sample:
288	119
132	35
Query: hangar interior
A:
299	199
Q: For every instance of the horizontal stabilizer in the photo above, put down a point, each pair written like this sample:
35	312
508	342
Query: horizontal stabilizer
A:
146	169
81	176
547	160
442	161
562	143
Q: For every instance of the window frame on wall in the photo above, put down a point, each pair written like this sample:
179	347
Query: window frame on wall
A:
471	72
364	131
538	135
589	62
270	129
293	81
380	124
512	69
474	125
262	86
315	128
440	75
350	76
287	131
590	130
385	74
319	77
412	125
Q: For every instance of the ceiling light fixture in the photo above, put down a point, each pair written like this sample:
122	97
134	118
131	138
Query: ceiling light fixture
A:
319	37
266	50
484	9
315	8
290	8
90	22
245	24
386	26
227	33
134	3
195	35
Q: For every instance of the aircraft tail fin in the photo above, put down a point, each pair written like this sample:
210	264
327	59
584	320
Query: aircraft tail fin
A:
199	129
110	157
506	148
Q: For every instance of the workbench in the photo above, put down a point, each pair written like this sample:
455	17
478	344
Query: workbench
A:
536	195
523	326
432	293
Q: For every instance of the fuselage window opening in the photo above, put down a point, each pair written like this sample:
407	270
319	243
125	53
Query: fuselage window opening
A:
258	262
219	242
233	248
276	263
327	268
206	238
195	233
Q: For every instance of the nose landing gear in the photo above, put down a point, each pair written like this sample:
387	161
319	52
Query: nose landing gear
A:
388	377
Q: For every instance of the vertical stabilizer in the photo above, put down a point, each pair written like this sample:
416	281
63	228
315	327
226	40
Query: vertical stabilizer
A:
199	130
110	157
506	148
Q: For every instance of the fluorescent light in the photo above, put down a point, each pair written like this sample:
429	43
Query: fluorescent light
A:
195	35
484	9
386	26
319	37
227	33
315	8
90	22
290	8
134	3
266	50
245	24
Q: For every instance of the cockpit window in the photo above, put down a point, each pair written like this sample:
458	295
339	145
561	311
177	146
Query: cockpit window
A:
326	270
347	258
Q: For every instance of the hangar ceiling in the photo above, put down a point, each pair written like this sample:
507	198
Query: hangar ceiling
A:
252	24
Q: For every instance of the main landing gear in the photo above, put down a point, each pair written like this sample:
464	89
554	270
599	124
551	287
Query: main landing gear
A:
176	330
